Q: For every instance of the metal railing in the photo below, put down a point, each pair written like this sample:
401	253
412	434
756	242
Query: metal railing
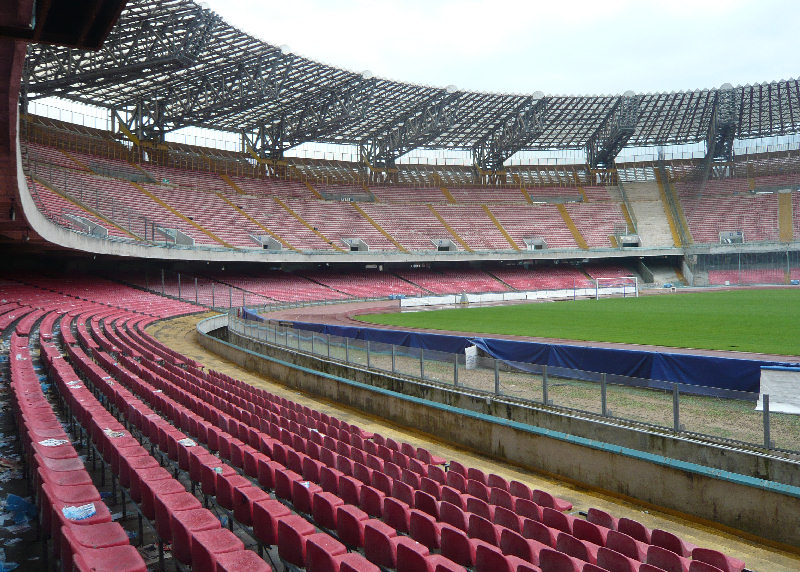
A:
721	415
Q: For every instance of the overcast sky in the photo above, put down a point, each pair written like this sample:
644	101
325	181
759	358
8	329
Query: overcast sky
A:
517	46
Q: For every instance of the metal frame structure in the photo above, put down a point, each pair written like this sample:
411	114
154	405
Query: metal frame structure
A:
169	64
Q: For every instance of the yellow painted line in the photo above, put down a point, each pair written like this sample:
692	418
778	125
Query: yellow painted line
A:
380	229
177	213
500	227
582	191
613	240
448	195
81	164
305	223
311	188
627	216
89	210
232	184
527	196
785	217
450	229
254	221
576	234
676	239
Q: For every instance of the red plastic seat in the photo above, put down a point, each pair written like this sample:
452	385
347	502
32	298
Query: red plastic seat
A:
700	566
589	531
426	503
354	562
244	498
480	507
601	518
491	559
556	519
672	542
371	501
349	490
241	560
528	509
543	498
535	530
453	515
626	545
425	529
501	497
553	561
451	495
323	509
292	533
521	547
634	529
580	549
718	559
183	525
610	560
381	543
152	489
483	529
507	518
667	560
322	551
168	504
110	559
76	538
302	495
350	525
412	557
520	490
284	483
265	520
207	545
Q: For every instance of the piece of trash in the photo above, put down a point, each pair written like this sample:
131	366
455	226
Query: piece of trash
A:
218	470
186	442
79	512
18	528
306	484
116	516
53	442
113	434
21	509
105	494
132	535
13	541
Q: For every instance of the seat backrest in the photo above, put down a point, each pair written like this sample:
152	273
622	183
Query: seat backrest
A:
453	515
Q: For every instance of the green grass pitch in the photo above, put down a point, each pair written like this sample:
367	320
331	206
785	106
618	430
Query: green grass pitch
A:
762	321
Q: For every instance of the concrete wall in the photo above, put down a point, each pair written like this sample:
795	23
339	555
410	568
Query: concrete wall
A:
761	507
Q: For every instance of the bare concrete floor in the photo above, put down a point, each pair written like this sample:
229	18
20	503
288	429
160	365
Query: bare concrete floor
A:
759	556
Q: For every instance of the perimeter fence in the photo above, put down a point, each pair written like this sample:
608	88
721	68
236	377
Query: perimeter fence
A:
708	412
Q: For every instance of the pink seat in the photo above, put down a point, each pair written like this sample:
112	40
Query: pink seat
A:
208	544
543	498
166	505
611	560
507	518
292	533
501	497
520	490
480	507
380	543
354	562
626	545
302	495
700	566
412	557
350	525
458	547
667	560
453	515
243	500
425	529
718	559
240	560
528	509
491	559
396	514
521	547
540	532
586	530
634	529
323	509
371	501
76	538
110	559
580	549
322	551
483	529
556	519
183	525
671	542
601	518
226	485
265	520
553	561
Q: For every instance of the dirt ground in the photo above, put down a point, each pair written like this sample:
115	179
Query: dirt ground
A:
179	333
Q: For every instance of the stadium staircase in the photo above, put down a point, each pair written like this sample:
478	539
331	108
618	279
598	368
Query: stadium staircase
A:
450	229
649	211
785	217
679	228
500	227
255	222
576	234
305	223
180	215
448	195
378	227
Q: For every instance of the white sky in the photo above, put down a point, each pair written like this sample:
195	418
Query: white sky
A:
517	46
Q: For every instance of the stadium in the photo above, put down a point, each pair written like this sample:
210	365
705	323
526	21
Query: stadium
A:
263	313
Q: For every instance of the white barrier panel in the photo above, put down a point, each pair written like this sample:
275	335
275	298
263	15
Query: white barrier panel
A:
782	384
564	294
